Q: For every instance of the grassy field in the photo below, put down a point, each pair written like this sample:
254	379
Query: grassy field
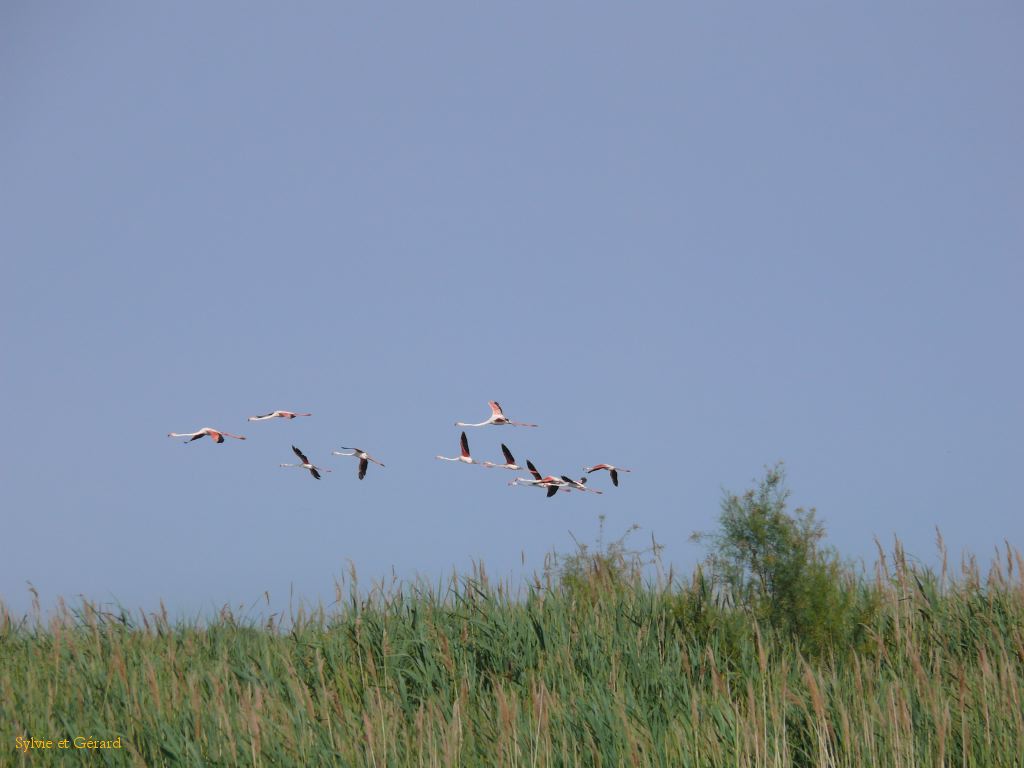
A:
587	665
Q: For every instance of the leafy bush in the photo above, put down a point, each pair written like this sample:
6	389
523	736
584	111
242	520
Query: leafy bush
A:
773	563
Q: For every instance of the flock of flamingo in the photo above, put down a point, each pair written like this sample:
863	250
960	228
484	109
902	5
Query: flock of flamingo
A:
551	483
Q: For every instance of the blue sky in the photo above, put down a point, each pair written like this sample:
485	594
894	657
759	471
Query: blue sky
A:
689	239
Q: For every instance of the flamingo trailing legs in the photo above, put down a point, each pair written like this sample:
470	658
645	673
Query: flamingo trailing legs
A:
465	456
579	485
612	470
498	418
306	464
364	458
537	480
510	461
278	415
217	435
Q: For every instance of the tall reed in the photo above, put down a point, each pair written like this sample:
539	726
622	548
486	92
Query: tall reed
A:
593	671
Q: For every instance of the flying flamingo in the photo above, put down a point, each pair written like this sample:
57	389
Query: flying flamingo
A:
313	470
579	485
497	418
613	471
465	458
278	415
364	458
550	482
551	486
510	462
217	435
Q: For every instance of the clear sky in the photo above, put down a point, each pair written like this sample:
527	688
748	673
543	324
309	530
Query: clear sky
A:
689	239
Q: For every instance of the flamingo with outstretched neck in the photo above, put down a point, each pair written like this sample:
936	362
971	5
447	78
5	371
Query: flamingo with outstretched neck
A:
497	418
510	461
217	435
552	483
465	456
612	470
364	458
579	485
278	415
306	464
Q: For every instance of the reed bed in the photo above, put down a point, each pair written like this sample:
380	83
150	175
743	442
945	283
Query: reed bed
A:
607	672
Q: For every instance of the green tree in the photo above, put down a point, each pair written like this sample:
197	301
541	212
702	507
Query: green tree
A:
774	563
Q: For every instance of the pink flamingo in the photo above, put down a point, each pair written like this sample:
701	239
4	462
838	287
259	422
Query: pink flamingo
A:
465	458
612	470
550	482
510	462
278	415
364	458
497	418
579	485
217	435
313	470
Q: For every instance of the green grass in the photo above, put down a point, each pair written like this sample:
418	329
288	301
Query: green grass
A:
601	669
